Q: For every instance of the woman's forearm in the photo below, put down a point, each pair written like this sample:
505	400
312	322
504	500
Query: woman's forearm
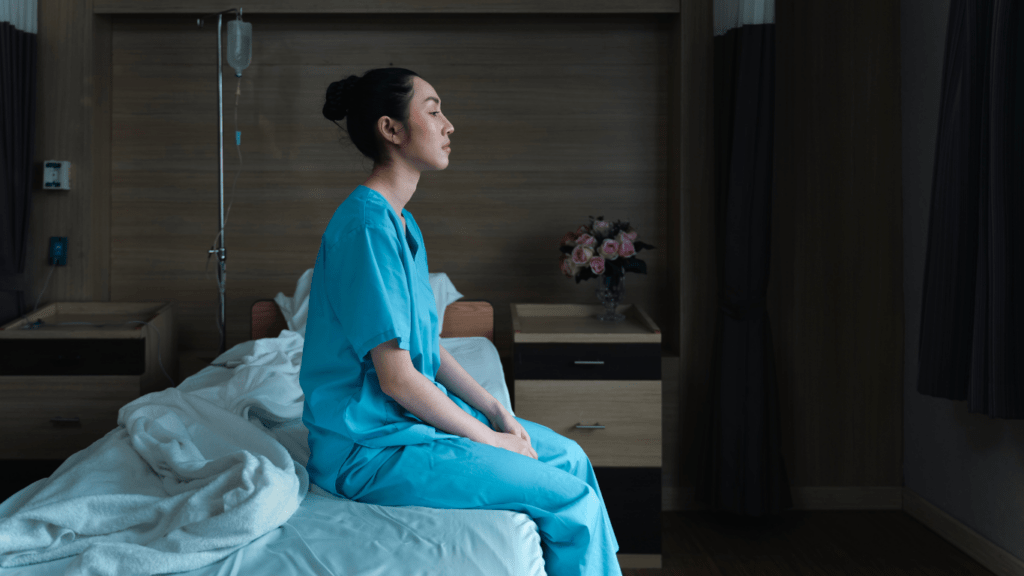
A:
462	384
417	394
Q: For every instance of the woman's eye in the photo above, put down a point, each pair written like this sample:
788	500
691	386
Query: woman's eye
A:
432	113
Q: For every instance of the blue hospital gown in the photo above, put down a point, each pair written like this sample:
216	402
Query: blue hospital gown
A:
368	287
371	285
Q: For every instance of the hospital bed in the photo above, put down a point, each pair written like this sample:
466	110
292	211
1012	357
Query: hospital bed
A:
131	503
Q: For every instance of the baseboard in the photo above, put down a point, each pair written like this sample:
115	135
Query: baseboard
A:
984	551
805	498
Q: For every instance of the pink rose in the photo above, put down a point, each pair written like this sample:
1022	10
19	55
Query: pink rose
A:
597	265
567	268
626	249
582	230
582	255
601	227
586	240
609	249
630	235
569	238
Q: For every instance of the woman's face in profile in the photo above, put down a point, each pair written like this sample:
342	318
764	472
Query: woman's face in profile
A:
431	131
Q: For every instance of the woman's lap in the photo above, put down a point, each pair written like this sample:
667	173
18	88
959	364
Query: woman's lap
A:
453	464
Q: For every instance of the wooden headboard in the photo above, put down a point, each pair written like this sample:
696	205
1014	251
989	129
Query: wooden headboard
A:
461	319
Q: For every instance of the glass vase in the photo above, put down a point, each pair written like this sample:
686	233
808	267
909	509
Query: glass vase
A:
609	292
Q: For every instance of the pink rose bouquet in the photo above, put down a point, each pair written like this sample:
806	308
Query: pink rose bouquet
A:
607	248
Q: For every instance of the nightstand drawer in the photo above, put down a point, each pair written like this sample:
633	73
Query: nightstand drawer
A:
73	357
573	361
40	418
629	410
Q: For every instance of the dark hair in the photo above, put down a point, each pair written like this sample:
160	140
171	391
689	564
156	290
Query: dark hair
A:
380	92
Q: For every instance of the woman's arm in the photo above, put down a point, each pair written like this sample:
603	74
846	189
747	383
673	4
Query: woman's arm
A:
400	380
456	379
508	432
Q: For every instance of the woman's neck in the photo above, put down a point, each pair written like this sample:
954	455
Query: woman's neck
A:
395	184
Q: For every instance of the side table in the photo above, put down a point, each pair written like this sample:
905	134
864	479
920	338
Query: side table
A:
599	383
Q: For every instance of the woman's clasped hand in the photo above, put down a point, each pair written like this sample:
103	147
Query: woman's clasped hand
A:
509	434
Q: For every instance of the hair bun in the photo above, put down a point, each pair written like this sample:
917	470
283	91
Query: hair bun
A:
348	84
339	96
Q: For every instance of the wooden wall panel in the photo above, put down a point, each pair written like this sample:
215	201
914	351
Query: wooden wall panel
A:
72	123
202	7
547	132
695	210
835	297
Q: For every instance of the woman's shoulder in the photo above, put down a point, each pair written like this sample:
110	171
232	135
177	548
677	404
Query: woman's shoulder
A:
359	214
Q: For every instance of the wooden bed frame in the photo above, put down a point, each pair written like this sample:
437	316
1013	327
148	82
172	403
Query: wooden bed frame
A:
462	319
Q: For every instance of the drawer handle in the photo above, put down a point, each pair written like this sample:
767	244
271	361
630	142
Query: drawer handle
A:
595	426
66	421
590	362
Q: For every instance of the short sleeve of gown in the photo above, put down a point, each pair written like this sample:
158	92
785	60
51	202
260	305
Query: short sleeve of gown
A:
367	288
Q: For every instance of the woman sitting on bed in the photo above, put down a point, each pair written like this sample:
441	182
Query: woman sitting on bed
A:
393	419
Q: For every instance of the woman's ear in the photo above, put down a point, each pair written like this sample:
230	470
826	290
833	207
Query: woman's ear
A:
389	129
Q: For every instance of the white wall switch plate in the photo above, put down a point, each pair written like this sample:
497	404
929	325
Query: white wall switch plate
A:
56	175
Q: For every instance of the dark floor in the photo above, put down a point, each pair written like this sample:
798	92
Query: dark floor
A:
812	543
799	542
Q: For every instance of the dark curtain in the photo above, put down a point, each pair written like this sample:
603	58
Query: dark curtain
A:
17	140
740	466
972	309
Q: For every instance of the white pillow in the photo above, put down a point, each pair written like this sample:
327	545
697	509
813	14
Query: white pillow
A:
295	308
444	294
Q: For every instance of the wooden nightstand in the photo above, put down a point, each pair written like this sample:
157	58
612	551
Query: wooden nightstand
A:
599	383
63	381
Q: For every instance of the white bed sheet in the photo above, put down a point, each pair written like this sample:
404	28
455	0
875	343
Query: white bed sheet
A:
328	535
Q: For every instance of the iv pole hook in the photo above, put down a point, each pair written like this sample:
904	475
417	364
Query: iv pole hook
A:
228	11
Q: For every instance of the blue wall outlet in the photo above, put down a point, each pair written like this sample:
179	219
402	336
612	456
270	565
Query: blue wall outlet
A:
59	250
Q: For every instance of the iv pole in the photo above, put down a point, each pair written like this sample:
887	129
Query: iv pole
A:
220	250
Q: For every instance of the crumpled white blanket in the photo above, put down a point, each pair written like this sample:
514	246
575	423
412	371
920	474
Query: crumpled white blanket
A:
183	481
189	475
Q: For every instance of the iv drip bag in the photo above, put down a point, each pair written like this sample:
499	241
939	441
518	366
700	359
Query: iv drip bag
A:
239	45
